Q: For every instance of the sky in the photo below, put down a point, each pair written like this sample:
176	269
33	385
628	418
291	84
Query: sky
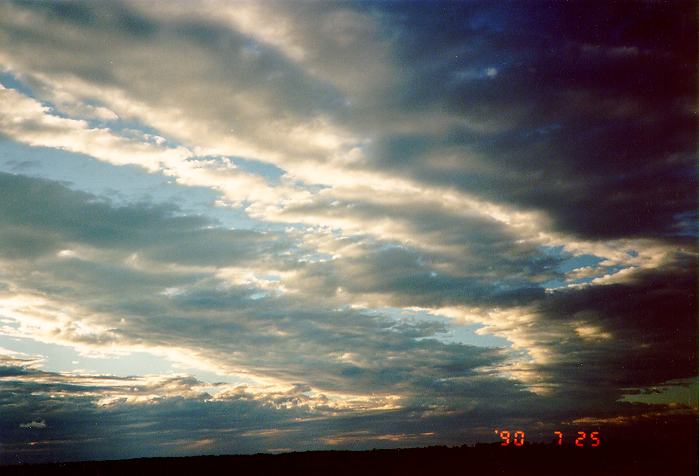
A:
242	227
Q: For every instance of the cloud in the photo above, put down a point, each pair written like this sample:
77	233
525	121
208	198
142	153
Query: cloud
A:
138	277
107	417
349	373
602	155
28	121
35	225
191	308
603	340
34	424
357	144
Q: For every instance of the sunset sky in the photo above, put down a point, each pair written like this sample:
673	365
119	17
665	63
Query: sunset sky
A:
231	227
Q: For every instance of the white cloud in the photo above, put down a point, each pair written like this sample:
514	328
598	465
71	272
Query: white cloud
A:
34	425
25	119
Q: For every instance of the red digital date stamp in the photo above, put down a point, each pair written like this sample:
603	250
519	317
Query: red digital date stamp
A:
582	439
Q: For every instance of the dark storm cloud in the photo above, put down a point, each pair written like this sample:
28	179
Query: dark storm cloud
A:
592	108
594	344
651	321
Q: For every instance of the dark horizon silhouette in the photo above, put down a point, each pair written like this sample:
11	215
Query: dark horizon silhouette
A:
640	459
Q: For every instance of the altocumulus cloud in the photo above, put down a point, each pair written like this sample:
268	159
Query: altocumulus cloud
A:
457	216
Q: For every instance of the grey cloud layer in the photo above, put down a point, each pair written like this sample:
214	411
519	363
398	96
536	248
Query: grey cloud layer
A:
288	337
291	339
41	217
595	125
